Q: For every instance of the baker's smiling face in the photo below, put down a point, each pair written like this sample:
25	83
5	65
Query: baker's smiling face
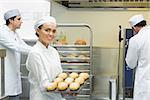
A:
46	33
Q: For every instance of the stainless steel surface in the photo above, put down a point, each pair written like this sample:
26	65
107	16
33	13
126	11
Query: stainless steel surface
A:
87	47
104	3
113	88
79	70
105	62
2	55
25	88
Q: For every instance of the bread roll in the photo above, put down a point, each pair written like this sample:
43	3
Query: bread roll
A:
74	86
80	80
72	55
63	75
80	42
58	79
69	80
73	75
84	75
51	86
62	86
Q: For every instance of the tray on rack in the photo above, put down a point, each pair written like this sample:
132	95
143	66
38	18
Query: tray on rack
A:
77	59
71	91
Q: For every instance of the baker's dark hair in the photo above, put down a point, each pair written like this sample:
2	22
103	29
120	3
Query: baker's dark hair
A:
141	24
7	21
39	28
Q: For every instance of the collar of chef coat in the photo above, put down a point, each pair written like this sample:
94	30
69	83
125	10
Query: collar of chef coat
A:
10	32
8	29
43	46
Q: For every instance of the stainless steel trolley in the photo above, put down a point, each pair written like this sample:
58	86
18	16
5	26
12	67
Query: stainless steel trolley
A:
77	64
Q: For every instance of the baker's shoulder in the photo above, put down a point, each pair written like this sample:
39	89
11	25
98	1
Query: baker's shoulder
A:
134	38
2	28
34	50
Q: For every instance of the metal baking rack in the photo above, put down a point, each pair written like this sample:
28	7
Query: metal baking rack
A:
77	64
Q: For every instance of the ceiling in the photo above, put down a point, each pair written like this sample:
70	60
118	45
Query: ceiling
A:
104	3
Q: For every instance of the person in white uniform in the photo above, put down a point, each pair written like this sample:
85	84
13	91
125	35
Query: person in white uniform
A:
138	57
43	61
14	45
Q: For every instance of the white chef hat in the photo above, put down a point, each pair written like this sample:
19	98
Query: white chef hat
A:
136	19
43	20
11	13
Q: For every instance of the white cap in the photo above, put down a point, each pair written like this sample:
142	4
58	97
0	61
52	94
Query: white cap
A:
43	20
11	13
136	19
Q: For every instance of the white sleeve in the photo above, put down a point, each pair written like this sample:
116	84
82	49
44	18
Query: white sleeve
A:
132	54
13	45
35	65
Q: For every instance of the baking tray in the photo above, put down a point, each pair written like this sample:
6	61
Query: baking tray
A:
68	91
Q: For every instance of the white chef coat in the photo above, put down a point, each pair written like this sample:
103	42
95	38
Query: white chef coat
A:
43	65
14	45
138	55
